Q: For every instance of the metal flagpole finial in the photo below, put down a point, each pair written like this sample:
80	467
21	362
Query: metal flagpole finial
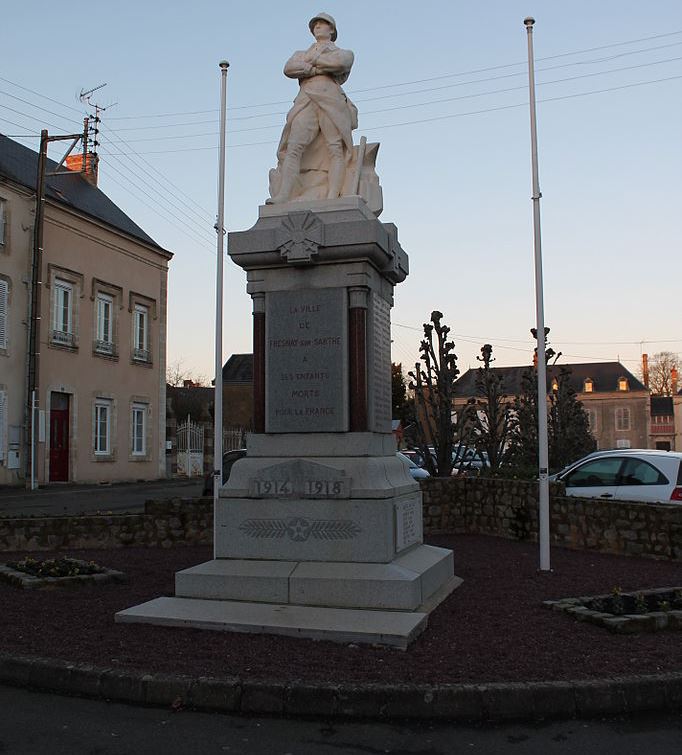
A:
224	64
529	21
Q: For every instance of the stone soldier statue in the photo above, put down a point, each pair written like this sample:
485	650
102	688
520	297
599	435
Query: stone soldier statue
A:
316	147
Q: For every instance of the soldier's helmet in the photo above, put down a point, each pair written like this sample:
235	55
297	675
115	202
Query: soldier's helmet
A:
323	17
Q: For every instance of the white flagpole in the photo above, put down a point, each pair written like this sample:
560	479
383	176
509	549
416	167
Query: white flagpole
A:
543	454
220	231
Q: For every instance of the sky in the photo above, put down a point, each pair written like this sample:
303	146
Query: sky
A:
443	86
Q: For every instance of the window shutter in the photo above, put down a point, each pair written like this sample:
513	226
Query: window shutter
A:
2	425
4	306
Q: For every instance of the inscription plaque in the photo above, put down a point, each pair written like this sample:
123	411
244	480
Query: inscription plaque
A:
299	479
408	523
380	365
306	361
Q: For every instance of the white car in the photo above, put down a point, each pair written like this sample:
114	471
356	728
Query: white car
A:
627	475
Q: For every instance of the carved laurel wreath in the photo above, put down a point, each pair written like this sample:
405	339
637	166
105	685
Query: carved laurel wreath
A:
300	530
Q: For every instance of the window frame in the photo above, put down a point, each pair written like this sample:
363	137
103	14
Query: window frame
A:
141	410
141	351
4	313
4	223
104	323
62	303
625	414
106	405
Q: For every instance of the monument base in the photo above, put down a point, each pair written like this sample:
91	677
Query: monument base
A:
384	604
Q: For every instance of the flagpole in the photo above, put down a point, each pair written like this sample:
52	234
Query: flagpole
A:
543	454
220	232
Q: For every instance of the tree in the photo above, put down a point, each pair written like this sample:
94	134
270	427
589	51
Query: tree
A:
433	386
660	378
177	374
494	419
568	428
569	432
399	402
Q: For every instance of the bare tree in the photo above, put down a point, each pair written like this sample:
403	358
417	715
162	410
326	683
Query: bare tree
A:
177	374
661	366
494	413
433	385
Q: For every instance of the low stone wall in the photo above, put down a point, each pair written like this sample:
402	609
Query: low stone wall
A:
504	508
177	521
509	508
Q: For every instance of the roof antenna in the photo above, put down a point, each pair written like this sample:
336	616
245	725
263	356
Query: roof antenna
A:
94	119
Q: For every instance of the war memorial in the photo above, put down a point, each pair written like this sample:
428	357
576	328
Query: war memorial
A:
318	531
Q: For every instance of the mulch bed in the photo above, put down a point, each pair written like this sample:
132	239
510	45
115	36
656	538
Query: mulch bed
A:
492	628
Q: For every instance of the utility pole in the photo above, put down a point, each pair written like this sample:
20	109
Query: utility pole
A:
33	370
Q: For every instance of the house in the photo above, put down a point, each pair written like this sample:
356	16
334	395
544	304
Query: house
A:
100	320
617	403
662	427
238	392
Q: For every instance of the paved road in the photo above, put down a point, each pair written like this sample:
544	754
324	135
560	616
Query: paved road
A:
77	499
34	723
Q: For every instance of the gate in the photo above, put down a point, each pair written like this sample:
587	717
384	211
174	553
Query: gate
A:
234	438
190	449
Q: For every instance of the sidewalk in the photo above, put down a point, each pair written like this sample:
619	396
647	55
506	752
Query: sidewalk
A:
65	499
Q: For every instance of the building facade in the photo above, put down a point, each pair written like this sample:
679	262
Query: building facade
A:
616	402
101	354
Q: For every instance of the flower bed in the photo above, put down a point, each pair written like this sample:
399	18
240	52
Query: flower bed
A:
32	573
627	613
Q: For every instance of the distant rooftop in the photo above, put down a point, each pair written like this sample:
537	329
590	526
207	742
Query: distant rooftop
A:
20	165
238	369
604	377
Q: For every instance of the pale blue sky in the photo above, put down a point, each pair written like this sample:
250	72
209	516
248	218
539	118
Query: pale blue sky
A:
457	183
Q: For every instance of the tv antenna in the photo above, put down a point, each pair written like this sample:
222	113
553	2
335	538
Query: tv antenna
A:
85	97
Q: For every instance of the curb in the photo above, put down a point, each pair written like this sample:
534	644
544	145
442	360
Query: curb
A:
494	702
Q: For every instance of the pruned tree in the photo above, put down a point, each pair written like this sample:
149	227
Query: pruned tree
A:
438	429
495	417
661	367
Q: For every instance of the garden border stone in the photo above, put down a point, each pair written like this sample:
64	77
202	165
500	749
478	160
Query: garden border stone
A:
494	702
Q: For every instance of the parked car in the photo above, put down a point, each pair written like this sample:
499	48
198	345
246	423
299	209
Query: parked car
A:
417	472
625	474
229	458
468	461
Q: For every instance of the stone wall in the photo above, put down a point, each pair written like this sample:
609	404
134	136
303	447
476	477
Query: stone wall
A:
165	523
509	508
504	508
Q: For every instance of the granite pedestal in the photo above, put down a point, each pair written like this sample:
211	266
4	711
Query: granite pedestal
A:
318	531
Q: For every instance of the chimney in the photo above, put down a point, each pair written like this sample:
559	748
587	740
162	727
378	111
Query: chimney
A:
673	380
75	163
645	369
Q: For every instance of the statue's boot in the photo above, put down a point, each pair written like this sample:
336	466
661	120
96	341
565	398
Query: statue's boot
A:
291	167
337	175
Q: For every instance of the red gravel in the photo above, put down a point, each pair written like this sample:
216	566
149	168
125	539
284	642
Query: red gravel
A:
492	628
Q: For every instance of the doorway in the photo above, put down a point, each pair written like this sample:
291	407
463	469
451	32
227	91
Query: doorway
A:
59	437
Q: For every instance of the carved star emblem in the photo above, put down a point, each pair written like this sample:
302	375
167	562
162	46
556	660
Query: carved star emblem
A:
298	529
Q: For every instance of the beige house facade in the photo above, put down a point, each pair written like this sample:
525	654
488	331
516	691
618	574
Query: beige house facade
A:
101	354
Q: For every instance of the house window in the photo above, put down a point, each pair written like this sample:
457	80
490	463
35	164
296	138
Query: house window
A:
62	318
4	311
592	419
139	429
588	385
105	329
141	333
623	418
3	222
102	439
623	443
622	384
